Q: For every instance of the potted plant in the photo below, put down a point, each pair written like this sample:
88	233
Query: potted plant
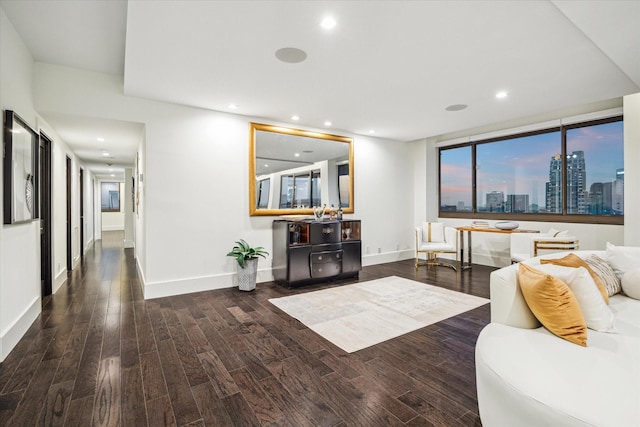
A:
247	258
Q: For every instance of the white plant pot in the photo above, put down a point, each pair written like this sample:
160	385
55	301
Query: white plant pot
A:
247	275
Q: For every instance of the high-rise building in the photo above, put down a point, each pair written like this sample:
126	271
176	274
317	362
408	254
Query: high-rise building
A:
576	183
517	203
495	201
577	202
553	188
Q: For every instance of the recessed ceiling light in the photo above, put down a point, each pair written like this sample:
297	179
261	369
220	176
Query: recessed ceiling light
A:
101	139
266	166
502	94
291	55
294	117
372	131
233	106
105	154
327	123
112	175
456	107
328	23
297	154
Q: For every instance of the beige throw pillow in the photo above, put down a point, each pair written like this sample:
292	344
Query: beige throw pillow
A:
606	274
553	304
573	260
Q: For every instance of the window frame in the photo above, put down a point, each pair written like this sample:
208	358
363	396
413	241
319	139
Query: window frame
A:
539	217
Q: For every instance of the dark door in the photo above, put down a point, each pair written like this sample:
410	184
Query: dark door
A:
69	240
44	194
81	214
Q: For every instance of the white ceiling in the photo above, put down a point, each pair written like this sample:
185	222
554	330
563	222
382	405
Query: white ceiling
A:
392	66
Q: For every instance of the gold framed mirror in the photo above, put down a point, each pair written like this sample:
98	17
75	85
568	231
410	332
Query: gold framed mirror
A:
293	170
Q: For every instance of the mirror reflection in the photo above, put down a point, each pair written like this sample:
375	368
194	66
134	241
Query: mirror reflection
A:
293	170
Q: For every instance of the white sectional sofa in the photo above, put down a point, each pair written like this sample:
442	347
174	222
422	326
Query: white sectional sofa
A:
526	376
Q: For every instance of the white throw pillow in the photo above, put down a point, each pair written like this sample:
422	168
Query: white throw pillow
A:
436	235
631	283
622	258
596	313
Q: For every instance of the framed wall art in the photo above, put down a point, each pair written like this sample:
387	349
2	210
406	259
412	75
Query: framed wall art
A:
20	174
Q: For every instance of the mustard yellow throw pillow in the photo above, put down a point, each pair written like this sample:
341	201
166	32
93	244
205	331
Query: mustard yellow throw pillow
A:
553	304
573	260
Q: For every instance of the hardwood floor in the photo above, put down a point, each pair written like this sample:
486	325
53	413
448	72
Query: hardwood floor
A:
99	354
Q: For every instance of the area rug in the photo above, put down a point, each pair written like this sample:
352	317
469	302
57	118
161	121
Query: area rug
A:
358	316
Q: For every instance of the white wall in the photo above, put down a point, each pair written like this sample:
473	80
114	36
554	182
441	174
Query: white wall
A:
20	290
631	169
194	195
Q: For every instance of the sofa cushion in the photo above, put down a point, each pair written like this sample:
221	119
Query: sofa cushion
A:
606	274
553	304
596	313
433	232
631	283
623	258
573	260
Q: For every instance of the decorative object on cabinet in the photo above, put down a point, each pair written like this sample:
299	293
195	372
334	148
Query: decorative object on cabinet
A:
247	258
20	179
312	251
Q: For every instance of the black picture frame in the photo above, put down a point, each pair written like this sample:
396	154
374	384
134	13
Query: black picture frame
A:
21	176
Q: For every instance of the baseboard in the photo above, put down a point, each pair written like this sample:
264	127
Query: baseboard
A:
113	228
18	328
199	284
373	259
60	280
140	275
129	244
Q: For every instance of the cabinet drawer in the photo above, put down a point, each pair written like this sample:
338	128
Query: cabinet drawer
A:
326	256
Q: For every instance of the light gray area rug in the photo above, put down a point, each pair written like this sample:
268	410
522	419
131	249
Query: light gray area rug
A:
358	316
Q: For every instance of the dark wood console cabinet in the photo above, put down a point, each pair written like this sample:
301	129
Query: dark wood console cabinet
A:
311	251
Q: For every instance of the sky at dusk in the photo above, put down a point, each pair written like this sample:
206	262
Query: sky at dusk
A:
521	165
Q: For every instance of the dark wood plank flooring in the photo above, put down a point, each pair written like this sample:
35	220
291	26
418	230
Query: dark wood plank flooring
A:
99	354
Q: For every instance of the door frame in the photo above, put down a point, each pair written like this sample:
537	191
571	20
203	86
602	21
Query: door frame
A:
69	235
46	219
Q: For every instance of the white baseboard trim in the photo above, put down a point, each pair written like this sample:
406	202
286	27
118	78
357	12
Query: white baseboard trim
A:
113	228
198	284
12	335
140	275
129	244
60	280
373	259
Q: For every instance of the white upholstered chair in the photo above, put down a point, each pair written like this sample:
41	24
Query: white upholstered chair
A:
433	238
529	245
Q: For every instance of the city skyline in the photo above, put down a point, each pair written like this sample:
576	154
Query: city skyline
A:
520	166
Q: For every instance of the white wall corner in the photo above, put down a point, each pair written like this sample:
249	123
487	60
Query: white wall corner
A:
12	335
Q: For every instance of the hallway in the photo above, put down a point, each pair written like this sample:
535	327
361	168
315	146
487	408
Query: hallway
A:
99	354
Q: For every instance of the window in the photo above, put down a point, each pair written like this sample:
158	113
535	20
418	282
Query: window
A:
511	174
300	190
110	196
574	171
343	185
